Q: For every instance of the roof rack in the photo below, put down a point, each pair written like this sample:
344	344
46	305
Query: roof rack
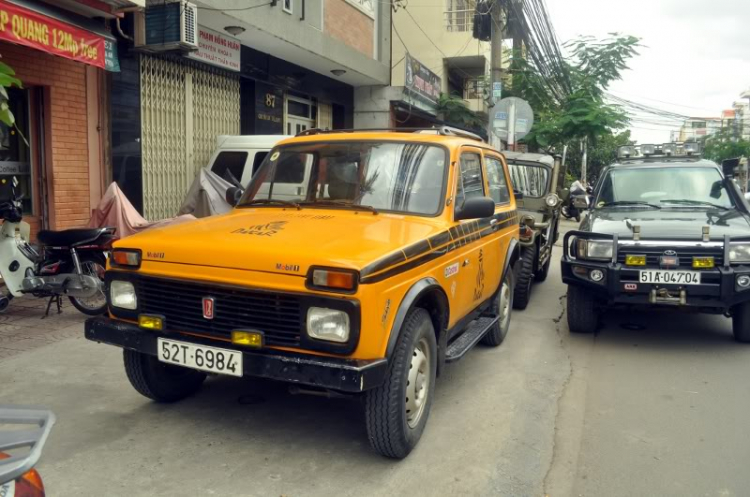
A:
440	130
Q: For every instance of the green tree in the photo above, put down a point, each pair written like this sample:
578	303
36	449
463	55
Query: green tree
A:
725	145
453	110
578	111
601	154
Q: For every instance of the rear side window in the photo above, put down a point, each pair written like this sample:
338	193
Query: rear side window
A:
496	178
470	182
230	165
259	157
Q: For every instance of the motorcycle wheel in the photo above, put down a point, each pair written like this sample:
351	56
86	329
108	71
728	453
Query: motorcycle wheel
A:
92	265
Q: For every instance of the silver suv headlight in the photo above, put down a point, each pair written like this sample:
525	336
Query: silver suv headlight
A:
328	324
739	252
122	295
551	200
599	250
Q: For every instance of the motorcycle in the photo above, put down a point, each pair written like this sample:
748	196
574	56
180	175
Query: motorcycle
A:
71	262
23	439
570	211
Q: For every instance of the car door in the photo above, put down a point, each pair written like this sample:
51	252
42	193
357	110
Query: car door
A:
471	270
504	223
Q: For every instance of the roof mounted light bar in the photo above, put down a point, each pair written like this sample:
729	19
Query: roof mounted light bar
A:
645	151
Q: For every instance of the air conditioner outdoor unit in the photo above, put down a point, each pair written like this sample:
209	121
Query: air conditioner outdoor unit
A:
167	26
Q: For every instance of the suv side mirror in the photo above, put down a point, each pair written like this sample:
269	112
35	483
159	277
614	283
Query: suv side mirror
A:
581	202
233	195
476	208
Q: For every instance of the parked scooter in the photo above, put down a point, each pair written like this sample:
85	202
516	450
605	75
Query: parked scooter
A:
569	210
72	262
23	434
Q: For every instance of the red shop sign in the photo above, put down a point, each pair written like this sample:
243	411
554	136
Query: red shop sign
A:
26	27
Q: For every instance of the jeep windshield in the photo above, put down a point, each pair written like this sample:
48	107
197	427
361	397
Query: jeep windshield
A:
376	176
663	187
528	179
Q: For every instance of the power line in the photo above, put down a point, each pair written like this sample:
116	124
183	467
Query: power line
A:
661	101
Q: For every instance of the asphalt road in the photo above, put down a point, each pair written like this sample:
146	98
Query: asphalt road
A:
654	404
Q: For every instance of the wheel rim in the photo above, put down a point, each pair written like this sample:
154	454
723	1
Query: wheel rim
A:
418	383
505	300
98	300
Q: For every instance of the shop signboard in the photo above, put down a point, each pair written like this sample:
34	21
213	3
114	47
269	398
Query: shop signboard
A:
217	49
420	81
269	109
32	29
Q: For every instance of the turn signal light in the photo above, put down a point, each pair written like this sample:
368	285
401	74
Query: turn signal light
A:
126	258
151	322
635	260
703	262
341	280
248	338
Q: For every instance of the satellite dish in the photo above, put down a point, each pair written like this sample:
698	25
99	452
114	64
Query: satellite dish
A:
513	115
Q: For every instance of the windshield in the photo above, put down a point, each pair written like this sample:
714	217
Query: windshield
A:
664	187
400	177
529	180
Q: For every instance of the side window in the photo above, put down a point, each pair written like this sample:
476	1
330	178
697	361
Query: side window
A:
496	178
230	165
259	157
470	182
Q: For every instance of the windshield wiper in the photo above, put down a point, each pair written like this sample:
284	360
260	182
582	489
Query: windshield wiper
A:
270	201
685	201
342	203
630	202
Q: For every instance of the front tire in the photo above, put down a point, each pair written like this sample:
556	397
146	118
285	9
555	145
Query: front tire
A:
501	307
741	322
583	316
522	291
158	381
93	264
396	412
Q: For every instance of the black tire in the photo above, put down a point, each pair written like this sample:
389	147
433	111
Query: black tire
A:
578	218
522	291
158	381
582	313
499	330
741	322
391	432
94	264
543	272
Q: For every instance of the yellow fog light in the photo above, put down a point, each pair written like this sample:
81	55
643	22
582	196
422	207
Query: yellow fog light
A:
703	262
151	322
248	338
635	260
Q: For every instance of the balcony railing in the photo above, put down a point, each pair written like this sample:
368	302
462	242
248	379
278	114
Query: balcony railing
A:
459	21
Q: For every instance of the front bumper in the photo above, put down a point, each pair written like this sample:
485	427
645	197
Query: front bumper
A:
345	375
718	289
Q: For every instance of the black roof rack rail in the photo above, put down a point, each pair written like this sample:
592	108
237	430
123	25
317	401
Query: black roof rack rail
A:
441	130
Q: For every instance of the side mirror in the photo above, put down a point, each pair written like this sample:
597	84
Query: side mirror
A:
233	195
476	208
581	202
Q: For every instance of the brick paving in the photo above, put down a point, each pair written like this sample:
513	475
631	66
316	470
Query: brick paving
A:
22	327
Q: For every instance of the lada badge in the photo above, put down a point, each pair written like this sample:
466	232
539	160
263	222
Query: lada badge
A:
208	307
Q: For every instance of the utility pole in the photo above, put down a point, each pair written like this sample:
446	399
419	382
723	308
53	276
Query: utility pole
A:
496	64
584	148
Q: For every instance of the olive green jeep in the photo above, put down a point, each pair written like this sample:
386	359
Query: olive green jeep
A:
540	180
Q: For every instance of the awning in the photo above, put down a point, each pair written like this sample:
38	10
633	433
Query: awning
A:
54	31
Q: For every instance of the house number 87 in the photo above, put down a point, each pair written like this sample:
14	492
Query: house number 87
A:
270	100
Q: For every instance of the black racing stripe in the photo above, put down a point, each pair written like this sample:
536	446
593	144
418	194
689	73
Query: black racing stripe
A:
454	232
402	268
440	239
415	249
383	263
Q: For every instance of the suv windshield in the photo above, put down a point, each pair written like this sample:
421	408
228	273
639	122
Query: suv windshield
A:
669	186
530	180
400	177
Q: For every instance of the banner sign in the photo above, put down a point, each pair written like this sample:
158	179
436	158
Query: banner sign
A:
26	27
217	49
269	109
421	81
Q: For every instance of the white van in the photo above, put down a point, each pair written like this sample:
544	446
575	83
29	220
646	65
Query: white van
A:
238	157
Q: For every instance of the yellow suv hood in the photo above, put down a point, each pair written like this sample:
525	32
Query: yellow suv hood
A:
283	240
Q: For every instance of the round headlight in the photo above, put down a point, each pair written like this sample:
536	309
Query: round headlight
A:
551	200
596	275
743	281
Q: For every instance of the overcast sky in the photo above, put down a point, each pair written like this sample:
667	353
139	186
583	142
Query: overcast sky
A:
696	53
